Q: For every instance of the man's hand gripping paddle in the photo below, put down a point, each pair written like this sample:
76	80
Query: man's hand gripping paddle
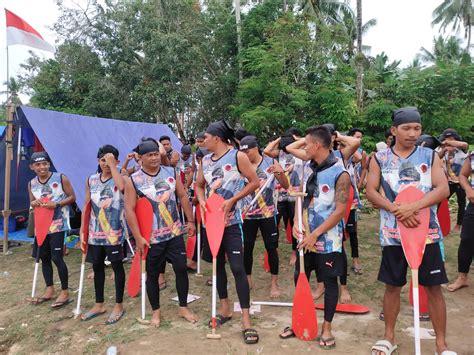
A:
191	242
214	217
43	219
413	243
85	232
304	321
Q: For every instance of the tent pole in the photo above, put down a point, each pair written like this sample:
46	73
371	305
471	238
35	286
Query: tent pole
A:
8	164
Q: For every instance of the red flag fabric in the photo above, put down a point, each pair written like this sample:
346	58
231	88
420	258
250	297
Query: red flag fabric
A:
20	32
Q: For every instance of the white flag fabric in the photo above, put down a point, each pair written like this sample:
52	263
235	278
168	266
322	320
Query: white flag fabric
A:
20	32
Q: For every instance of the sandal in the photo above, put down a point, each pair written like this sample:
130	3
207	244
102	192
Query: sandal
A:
61	304
384	346
91	315
250	336
357	270
323	343
38	300
209	282
114	318
287	333
424	317
220	320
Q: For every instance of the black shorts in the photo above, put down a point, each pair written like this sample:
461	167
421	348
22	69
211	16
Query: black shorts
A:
393	268
96	253
467	231
232	239
171	251
325	265
267	227
53	244
351	225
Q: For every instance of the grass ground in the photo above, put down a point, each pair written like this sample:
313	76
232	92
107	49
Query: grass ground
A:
26	329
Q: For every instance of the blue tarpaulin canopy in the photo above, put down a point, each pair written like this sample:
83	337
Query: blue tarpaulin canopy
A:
72	142
2	129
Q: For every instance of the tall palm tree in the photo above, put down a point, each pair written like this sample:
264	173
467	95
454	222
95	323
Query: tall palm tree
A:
445	50
328	11
455	12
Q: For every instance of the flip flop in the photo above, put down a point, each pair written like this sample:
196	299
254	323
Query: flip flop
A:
220	320
289	330
357	270
323	343
114	318
209	282
38	300
58	305
250	333
91	315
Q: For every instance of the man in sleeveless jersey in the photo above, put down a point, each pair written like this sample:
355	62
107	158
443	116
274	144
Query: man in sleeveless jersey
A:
392	170
262	214
172	155
160	186
104	191
57	188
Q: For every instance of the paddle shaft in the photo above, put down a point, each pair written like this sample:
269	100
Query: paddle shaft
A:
143	281
214	293
81	285
35	273
267	183
198	241
416	310
300	227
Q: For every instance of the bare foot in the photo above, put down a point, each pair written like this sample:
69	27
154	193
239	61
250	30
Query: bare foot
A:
249	278
460	282
90	275
456	229
192	264
274	291
345	295
112	277
186	313
319	291
155	318
293	258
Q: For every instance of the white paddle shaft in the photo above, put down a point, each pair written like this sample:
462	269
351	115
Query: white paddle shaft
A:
267	183
198	241
214	290
81	285
143	284
416	309
130	247
35	274
276	304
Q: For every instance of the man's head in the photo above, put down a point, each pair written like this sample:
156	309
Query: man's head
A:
406	126
40	164
149	154
217	133
249	146
356	133
200	139
425	140
166	142
388	137
318	141
106	149
186	152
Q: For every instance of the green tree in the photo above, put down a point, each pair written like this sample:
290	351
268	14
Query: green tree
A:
455	13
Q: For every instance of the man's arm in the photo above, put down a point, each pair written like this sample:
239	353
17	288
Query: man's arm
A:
280	175
272	148
457	144
373	187
363	173
69	191
464	179
188	211
87	199
343	186
174	159
130	202
200	186
296	149
349	145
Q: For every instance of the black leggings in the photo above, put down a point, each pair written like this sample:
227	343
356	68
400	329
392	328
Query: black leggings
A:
286	211
52	252
173	251
465	255
351	229
99	280
269	232
232	247
343	277
203	236
455	188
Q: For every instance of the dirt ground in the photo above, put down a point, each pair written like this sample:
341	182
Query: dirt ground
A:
26	329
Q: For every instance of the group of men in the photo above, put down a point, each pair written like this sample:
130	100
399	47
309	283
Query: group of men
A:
326	169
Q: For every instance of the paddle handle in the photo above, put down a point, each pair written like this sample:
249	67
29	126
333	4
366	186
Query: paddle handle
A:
143	281
416	310
198	241
214	293
81	285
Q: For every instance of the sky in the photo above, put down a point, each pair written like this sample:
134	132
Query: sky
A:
403	27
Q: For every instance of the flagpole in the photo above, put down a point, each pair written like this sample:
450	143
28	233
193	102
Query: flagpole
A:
8	162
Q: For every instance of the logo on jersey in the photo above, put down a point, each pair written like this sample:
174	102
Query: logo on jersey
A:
424	168
325	189
55	185
227	167
171	180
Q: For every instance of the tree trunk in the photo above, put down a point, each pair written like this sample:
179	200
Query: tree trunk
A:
359	58
239	36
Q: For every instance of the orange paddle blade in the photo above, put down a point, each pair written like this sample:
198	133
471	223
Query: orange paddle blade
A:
266	264
43	219
347	308
414	239
85	227
144	212
304	322
214	218
423	296
444	218
190	245
133	286
349	203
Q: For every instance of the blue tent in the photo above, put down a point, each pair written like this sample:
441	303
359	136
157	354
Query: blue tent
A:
2	129
72	142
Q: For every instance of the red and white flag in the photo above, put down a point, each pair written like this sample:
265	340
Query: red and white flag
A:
20	32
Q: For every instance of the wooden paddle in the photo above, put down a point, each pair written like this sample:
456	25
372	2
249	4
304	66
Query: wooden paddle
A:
303	321
85	232
340	308
214	217
413	244
444	218
43	219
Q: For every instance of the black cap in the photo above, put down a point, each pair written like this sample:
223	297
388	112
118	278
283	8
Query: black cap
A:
429	141
450	133
186	149
248	142
39	157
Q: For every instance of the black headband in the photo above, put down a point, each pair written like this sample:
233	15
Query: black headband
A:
107	149
221	129
405	115
147	147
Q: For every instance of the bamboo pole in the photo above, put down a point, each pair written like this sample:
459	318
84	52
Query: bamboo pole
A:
8	164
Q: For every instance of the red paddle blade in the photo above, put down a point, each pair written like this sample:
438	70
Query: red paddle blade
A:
144	212
304	322
347	308
133	286
198	214
43	220
349	203
423	296
85	227
289	233
414	239
190	245
266	264
444	218
214	218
